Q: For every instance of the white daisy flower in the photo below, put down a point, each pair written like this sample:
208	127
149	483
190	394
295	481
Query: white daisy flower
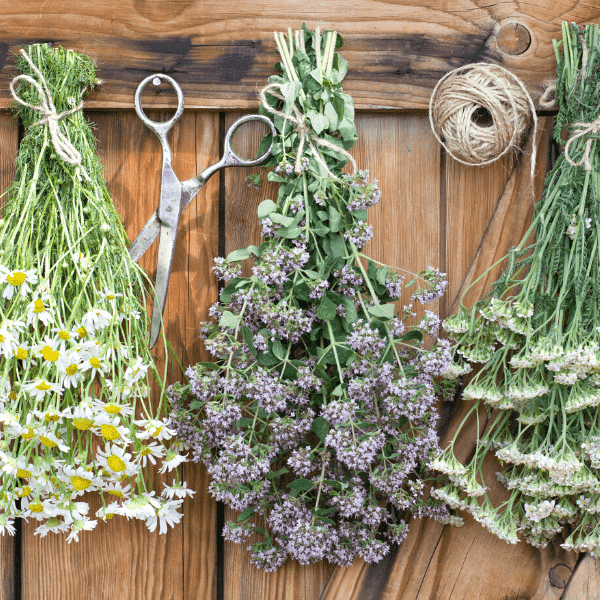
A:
116	460
83	416
64	336
92	363
125	312
116	489
38	509
21	352
141	507
18	467
80	480
48	350
17	281
111	430
39	388
149	453
77	526
113	409
53	525
51	440
7	524
109	296
70	369
116	352
109	511
136	371
96	320
8	343
118	393
154	428
166	515
172	461
71	511
178	489
39	310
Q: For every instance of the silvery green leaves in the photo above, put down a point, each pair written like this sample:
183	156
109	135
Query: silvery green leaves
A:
318	411
535	341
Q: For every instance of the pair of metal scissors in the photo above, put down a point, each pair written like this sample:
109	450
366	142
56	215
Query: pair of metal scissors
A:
176	195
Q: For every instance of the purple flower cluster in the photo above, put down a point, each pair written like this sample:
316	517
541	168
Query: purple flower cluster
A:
360	234
435	284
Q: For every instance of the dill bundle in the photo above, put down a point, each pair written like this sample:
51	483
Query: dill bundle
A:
535	338
75	368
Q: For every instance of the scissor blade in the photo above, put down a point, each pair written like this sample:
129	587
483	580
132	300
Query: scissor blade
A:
145	238
166	249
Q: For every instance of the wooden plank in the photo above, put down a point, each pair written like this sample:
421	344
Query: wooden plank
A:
124	560
9	142
221	51
242	580
584	583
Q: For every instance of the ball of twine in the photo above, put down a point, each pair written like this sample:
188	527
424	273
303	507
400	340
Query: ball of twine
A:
479	112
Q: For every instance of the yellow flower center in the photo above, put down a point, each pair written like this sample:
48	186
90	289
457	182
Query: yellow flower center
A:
110	515
48	442
122	478
16	278
110	432
157	432
24	492
38	306
80	483
29	435
64	335
1	338
115	463
71	370
49	354
113	409
83	424
146	451
82	332
43	386
36	507
117	493
52	417
12	395
23	473
110	297
21	353
95	362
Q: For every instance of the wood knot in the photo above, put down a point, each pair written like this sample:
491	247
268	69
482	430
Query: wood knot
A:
560	575
513	38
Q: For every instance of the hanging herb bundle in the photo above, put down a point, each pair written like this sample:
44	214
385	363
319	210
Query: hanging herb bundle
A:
535	338
318	412
74	361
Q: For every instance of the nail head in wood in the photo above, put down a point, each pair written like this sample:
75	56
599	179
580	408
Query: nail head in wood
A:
560	575
513	38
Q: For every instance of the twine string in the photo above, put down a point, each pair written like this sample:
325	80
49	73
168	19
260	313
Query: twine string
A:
62	145
303	130
581	129
457	98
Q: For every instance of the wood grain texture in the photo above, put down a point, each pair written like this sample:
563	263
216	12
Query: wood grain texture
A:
584	583
9	143
124	560
242	580
221	51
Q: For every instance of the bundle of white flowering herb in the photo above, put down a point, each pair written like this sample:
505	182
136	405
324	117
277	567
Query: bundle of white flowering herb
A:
535	338
75	369
318	412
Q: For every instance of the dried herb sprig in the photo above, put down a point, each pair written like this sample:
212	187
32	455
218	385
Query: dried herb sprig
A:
536	340
318	411
74	361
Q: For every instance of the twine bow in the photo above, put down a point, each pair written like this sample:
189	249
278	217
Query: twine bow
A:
63	147
302	128
579	130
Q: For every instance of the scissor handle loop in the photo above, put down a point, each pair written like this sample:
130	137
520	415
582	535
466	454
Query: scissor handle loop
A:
158	128
230	158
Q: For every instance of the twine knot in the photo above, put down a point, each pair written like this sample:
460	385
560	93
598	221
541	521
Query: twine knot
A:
581	129
479	112
62	145
303	130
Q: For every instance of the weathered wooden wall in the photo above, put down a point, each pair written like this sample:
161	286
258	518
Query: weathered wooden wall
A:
433	211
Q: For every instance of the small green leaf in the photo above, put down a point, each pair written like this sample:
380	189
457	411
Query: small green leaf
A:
237	255
414	334
281	219
383	311
302	484
335	219
327	309
317	120
382	274
228	319
338	390
272	176
265	208
248	337
275	474
320	428
278	350
246	514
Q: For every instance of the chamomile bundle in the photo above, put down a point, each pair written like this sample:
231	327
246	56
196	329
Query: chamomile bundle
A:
75	369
